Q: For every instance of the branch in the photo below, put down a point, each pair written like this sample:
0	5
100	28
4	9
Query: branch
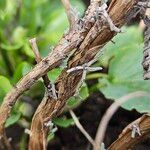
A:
126	141
68	42
91	31
38	58
50	87
80	127
110	112
71	14
99	34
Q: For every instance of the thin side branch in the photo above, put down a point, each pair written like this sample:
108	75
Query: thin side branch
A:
35	50
50	87
80	127
71	14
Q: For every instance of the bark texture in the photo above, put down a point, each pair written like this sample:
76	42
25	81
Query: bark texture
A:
99	34
125	141
87	34
146	60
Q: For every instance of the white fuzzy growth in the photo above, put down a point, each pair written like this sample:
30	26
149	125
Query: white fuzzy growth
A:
102	10
54	130
27	131
49	124
135	130
52	91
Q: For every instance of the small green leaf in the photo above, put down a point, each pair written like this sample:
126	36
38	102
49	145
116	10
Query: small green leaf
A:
72	102
131	36
50	137
126	76
25	109
5	86
22	69
84	92
12	119
19	34
53	74
11	47
75	101
27	50
26	68
63	122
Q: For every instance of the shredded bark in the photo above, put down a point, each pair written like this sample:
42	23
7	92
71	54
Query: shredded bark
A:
89	32
66	84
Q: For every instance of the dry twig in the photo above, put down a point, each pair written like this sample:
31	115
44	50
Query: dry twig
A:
80	127
50	87
71	14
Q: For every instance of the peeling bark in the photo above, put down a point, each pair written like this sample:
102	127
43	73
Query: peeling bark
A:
66	84
89	32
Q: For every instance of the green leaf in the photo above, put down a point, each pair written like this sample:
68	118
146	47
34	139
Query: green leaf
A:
19	34
12	119
10	9
21	70
53	74
25	109
131	36
5	86
84	92
63	122
50	137
2	4
75	101
126	76
127	64
11	47
26	68
27	50
72	102
117	90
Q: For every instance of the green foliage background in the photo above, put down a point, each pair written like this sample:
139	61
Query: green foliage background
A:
46	20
